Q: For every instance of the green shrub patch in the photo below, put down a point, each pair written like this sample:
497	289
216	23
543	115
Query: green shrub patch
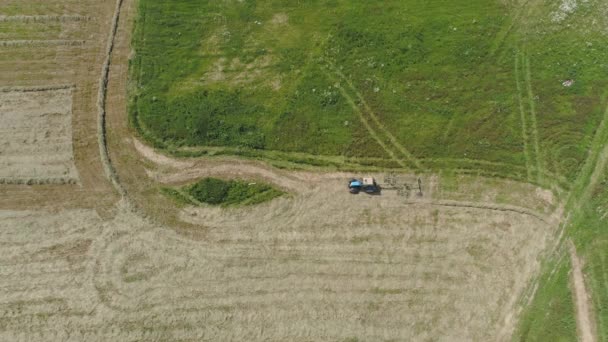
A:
226	193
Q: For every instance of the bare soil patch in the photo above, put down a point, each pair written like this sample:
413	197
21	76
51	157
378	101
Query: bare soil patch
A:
279	19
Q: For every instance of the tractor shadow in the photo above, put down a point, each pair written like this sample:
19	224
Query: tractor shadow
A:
377	192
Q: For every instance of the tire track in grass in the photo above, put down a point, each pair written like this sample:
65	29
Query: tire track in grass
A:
374	118
502	36
388	134
522	112
534	126
523	78
592	170
369	128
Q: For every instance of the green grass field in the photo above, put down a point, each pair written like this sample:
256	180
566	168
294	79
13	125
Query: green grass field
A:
550	317
424	85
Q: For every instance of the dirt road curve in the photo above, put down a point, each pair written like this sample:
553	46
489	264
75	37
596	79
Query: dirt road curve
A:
584	317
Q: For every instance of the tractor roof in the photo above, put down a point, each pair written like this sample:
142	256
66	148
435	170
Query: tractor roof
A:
369	181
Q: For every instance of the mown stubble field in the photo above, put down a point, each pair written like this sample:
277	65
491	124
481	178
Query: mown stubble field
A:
323	265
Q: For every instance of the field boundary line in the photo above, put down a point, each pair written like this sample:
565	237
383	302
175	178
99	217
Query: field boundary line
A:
493	206
17	89
39	181
56	42
42	18
109	169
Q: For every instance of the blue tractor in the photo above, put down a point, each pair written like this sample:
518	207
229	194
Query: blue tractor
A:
368	185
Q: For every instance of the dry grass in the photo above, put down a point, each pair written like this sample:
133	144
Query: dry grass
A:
49	84
36	137
322	266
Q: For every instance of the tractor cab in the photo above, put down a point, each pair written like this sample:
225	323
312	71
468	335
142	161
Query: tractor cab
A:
368	185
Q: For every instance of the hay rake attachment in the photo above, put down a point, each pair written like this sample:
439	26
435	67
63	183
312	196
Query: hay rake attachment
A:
404	188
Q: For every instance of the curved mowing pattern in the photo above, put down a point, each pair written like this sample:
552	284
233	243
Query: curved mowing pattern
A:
299	276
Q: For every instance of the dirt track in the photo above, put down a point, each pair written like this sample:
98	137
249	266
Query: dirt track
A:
584	314
317	265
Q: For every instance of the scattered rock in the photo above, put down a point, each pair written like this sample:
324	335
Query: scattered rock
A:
568	83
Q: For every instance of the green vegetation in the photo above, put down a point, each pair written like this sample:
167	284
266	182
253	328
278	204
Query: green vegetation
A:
550	316
180	197
419	84
225	193
589	232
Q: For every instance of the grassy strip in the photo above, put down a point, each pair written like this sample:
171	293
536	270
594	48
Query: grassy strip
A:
550	316
589	232
306	161
180	197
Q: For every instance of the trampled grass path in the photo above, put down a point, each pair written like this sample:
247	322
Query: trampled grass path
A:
534	125
592	170
529	125
522	112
